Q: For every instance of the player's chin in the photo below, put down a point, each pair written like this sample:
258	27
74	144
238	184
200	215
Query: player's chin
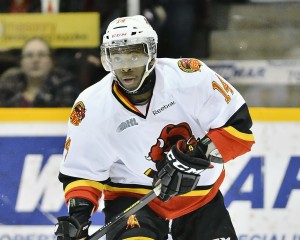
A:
130	87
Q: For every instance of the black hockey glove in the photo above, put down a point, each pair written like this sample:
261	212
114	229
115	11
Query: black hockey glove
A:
68	228
180	171
75	226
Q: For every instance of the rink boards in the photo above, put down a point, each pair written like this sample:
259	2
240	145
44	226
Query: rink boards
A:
262	188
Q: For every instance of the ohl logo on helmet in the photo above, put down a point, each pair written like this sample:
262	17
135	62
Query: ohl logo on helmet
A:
189	65
78	113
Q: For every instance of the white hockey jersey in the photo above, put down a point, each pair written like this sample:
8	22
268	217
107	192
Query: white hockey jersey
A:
111	144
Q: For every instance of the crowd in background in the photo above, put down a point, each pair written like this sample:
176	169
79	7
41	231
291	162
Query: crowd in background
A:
83	65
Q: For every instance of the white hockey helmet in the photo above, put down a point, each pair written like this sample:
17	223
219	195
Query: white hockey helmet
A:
125	32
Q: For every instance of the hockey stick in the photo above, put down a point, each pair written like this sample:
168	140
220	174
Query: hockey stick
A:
126	213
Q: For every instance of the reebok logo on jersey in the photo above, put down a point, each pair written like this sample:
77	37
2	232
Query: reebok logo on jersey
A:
164	107
128	123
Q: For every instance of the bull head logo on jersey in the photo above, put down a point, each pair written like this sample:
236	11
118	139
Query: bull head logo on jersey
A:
189	65
169	137
78	113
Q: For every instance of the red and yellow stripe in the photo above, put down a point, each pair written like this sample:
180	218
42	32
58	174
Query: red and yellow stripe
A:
124	99
230	142
87	189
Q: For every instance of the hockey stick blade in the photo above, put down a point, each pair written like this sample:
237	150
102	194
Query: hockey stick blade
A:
126	213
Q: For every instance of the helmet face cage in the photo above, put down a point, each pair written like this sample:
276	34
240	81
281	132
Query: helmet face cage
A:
127	31
106	49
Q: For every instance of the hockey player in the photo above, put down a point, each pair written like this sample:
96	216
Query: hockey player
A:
150	119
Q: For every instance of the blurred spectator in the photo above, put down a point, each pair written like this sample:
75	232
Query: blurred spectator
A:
37	83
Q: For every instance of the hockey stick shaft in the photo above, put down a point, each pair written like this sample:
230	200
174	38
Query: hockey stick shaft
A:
126	213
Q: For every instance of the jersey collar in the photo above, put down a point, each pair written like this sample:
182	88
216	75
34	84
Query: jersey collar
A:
125	102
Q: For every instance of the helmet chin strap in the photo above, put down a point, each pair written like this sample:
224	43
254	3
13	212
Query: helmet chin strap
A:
146	86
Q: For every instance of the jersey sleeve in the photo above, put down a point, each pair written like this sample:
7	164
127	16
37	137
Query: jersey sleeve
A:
87	156
82	188
225	118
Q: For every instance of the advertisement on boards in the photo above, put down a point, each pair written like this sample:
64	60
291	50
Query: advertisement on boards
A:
61	30
258	72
